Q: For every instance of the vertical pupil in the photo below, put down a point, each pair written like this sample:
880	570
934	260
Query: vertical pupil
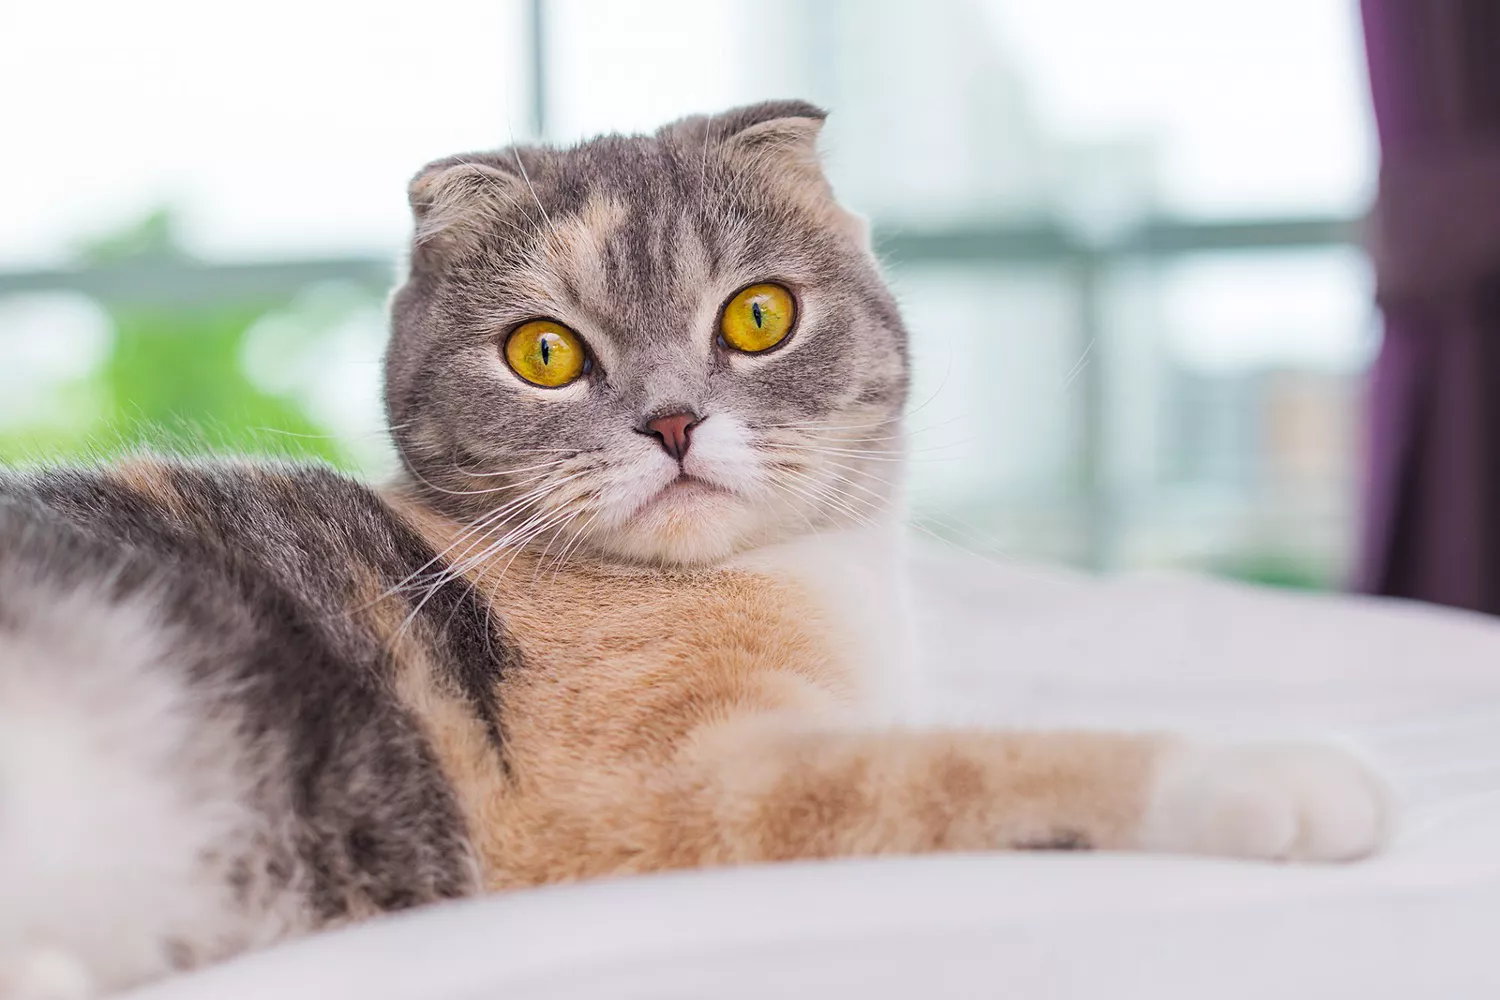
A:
546	351
755	311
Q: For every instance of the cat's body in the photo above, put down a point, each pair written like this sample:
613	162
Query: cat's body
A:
202	745
635	603
218	664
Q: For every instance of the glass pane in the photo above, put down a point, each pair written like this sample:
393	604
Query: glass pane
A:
1079	392
994	407
1233	409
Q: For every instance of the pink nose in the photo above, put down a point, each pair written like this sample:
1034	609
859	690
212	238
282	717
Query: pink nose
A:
674	432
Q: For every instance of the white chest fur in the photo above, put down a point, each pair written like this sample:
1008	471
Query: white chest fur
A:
857	578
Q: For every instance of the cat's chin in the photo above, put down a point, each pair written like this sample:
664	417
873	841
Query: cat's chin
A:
689	523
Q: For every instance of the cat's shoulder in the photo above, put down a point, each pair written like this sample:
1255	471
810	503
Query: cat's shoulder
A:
300	517
150	488
169	482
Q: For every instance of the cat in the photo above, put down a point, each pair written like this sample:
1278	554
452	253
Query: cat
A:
633	603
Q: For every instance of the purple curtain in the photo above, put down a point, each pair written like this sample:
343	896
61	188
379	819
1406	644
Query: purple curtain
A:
1432	512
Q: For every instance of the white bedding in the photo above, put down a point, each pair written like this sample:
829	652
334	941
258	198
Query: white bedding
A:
1419	687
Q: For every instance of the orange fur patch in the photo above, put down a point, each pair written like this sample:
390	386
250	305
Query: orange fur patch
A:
458	737
673	719
151	479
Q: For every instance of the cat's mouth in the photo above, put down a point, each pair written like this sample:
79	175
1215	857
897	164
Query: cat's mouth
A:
687	491
686	483
681	517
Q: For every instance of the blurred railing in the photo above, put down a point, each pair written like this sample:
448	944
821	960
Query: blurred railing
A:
179	282
172	281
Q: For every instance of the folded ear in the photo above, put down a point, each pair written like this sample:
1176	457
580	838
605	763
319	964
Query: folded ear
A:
777	134
737	121
779	140
789	145
455	199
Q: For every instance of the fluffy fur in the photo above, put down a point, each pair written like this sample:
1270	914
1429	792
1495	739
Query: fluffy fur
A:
244	702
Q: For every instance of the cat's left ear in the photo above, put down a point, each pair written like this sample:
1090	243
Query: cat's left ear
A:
779	140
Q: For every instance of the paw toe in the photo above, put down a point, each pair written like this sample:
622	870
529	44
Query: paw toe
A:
1296	802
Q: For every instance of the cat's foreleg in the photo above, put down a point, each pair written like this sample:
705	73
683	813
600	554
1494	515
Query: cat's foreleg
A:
771	792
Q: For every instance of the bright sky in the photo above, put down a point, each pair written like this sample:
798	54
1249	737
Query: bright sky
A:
291	128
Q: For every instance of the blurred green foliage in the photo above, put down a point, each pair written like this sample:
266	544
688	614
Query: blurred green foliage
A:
173	379
1285	570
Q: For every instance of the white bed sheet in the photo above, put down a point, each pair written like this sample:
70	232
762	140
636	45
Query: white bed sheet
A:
1418	687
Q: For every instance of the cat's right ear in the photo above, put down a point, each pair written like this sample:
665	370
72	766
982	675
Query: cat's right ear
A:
778	140
456	199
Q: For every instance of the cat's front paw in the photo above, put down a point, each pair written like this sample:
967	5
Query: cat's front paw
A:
1278	801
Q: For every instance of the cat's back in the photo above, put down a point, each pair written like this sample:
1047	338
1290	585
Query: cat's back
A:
308	527
323	547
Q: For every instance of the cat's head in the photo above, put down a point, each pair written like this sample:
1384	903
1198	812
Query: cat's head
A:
663	349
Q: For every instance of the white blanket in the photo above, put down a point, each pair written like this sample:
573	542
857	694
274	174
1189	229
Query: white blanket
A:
1419	687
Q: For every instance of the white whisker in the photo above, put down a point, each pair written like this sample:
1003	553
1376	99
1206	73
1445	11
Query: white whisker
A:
457	566
510	472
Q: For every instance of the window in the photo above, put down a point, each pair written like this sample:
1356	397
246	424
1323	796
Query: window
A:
1121	233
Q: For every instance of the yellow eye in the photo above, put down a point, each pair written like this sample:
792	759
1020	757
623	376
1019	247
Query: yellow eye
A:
758	318
545	352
